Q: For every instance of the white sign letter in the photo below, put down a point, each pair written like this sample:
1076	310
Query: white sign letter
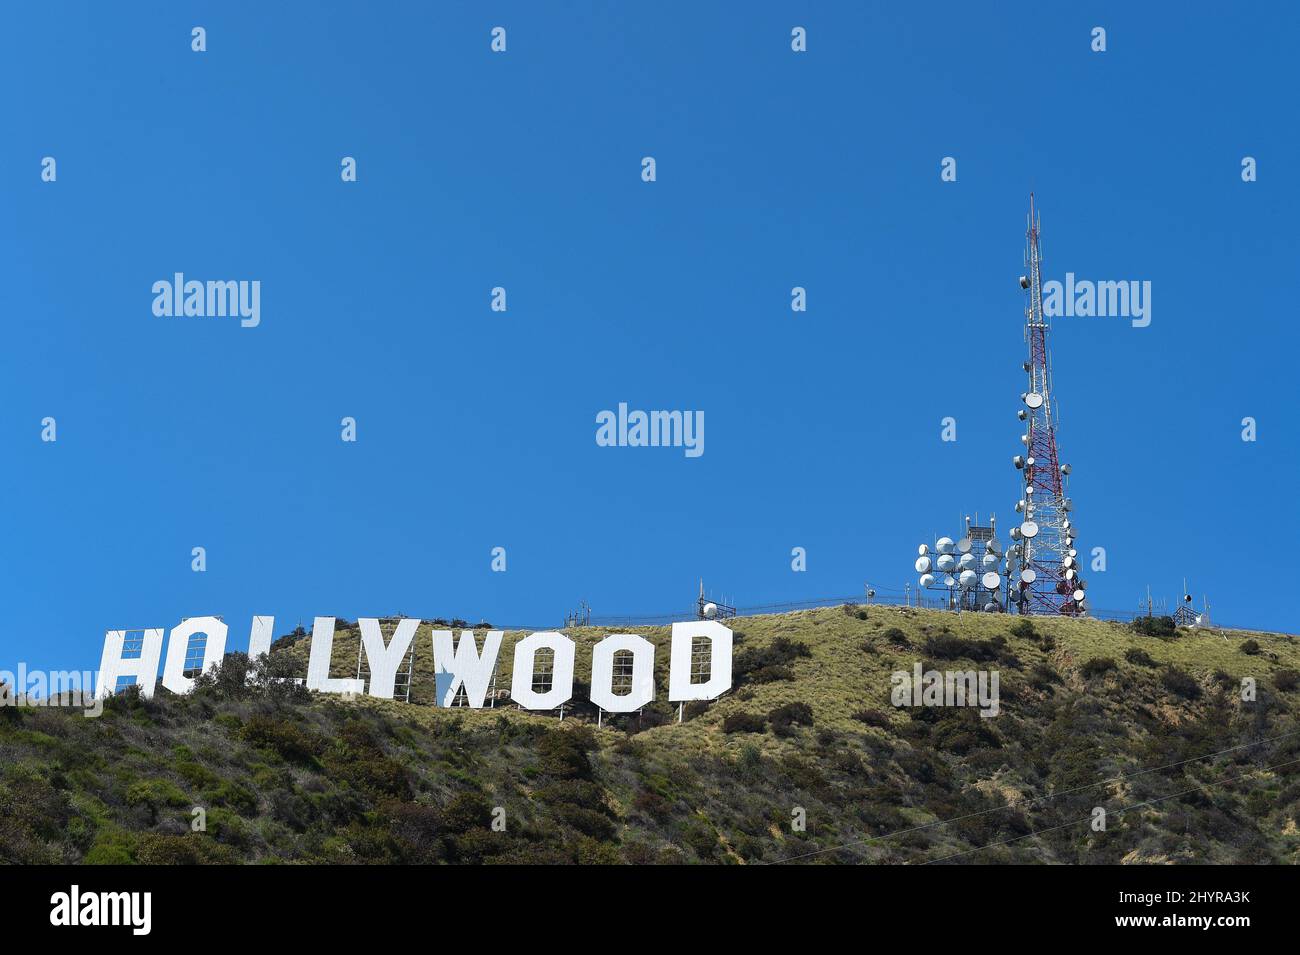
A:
384	661
460	664
178	644
144	668
318	664
521	684
643	673
680	686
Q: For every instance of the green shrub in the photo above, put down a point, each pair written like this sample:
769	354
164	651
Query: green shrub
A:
785	718
1155	626
771	674
578	792
282	737
1024	629
1043	676
467	811
700	835
587	821
949	646
154	795
1139	657
781	652
564	752
895	637
875	718
156	848
1286	679
744	723
1250	647
359	758
958	729
652	804
196	774
234	796
1096	667
1180	683
111	847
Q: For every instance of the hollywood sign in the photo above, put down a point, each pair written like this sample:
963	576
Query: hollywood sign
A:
457	663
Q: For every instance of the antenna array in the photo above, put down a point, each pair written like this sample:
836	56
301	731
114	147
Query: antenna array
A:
1039	571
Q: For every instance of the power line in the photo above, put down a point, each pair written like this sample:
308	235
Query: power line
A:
1034	801
1118	812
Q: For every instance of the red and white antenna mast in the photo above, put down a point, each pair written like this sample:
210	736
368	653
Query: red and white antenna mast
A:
1045	559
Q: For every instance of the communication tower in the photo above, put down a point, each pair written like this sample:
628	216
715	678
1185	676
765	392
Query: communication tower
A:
1042	556
706	609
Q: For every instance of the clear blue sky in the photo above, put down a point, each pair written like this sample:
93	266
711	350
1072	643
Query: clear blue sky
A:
476	429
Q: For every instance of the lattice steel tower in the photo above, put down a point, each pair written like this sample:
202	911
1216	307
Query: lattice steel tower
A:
1043	565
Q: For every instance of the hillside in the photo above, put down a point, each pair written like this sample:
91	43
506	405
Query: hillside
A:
285	776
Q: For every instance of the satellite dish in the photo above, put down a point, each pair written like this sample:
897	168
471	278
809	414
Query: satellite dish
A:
1029	490
944	545
949	582
1078	596
990	561
1018	461
1024	281
1024	439
1015	533
1033	400
1028	575
927	580
966	562
967	579
1071	574
922	565
1022	414
946	562
1020	506
1067	505
1029	529
923	549
1068	562
963	546
1029	462
1065	469
1072	552
991	581
710	610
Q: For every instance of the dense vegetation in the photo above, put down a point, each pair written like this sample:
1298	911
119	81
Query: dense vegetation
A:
809	731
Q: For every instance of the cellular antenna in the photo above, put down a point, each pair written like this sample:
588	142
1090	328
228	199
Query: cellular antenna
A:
1044	541
1039	571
